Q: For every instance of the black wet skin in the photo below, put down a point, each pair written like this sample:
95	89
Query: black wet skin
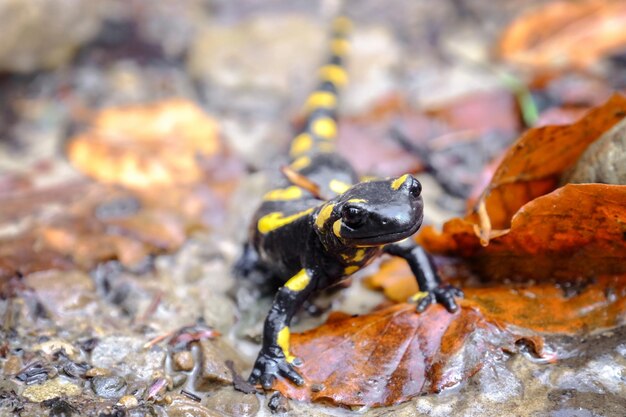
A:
306	241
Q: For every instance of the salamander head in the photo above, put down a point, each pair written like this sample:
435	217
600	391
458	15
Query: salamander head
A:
375	213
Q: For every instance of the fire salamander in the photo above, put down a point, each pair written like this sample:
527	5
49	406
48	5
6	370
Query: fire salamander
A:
323	225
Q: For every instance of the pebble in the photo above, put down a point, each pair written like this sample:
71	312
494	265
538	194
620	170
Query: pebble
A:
229	402
214	371
128	401
109	387
182	406
13	365
183	361
52	388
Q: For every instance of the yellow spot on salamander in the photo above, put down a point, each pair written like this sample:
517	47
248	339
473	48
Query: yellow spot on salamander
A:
351	270
397	183
417	296
338	187
275	220
301	144
324	127
337	228
324	215
282	340
299	281
342	25
334	74
359	255
290	193
321	99
357	200
339	46
302	162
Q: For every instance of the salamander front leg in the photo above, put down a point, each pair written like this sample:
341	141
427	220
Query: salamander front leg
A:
432	290
274	358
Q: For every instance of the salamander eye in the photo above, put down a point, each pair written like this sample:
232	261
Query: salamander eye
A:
352	216
415	188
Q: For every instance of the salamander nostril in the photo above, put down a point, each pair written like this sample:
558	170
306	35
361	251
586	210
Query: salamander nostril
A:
415	188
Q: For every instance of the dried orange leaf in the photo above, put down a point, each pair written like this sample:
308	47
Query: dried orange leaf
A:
565	34
534	164
539	307
392	355
143	146
578	230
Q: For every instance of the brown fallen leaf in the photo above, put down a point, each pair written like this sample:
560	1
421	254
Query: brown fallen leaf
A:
564	34
393	354
547	308
144	146
575	231
534	164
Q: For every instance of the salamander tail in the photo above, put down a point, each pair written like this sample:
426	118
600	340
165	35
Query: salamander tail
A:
320	128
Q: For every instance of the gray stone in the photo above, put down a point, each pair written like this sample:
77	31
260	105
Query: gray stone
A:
229	402
109	387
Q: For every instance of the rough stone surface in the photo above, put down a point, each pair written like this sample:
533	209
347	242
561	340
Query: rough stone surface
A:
604	161
183	361
182	406
52	388
214	371
231	403
109	387
43	34
127	356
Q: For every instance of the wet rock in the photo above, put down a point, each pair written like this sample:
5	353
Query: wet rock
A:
36	372
57	387
64	293
214	371
183	361
182	406
10	403
128	401
278	403
229	402
60	408
75	370
54	346
604	161
12	365
219	311
126	356
109	387
44	34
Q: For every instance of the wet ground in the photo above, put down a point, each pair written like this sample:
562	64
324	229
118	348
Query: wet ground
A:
165	337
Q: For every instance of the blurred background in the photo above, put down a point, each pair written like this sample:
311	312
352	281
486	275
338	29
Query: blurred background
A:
137	136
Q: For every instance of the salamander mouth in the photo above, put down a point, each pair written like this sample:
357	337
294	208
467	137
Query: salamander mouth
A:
382	239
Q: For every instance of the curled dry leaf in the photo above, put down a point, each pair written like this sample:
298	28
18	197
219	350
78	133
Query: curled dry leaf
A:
143	146
393	354
564	34
534	164
578	230
548	308
520	232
